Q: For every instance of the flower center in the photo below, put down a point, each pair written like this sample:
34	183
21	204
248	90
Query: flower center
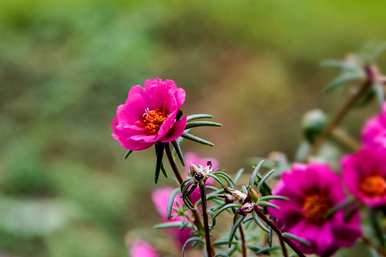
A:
373	186
315	207
152	120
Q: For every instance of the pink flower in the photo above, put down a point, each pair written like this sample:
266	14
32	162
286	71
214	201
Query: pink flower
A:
364	173
149	115
160	199
142	248
312	190
192	158
374	131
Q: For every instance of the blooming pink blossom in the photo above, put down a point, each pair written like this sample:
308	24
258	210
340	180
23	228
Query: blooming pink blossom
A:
374	131
149	115
142	248
364	173
312	190
160	199
192	158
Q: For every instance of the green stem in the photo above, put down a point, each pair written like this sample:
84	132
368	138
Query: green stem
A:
243	242
371	75
177	174
279	234
208	244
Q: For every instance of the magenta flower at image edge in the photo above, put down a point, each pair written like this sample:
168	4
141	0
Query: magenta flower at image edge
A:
312	190
364	174
374	131
141	248
149	115
160	198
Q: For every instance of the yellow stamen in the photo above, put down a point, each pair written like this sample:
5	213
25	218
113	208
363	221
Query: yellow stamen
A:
373	186
152	120
315	207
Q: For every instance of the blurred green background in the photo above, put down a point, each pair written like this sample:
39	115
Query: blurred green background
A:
65	65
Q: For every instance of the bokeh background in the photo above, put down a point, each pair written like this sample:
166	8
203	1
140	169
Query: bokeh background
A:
64	66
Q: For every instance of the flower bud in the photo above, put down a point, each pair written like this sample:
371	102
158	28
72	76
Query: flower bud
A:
253	195
313	124
247	208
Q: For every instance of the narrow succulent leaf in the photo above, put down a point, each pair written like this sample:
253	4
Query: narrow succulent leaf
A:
374	253
341	206
296	238
164	170
159	150
171	199
375	222
226	177
221	242
178	150
219	180
199	116
255	172
341	80
270	237
264	179
225	207
380	94
127	154
238	175
267	204
234	228
197	139
179	115
267	250
273	197
194	124
190	241
260	222
221	255
172	224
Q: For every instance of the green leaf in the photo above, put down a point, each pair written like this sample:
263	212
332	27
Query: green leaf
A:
127	154
255	172
380	94
270	237
197	139
195	124
225	207
226	177
341	80
178	150
375	222
238	175
236	224
273	197
172	224
199	116
260	223
171	199
215	177
267	250
159	150
190	241
267	204
296	238
264	179
163	170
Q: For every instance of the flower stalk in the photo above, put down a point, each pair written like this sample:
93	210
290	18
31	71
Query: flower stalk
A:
208	243
243	242
279	234
371	76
